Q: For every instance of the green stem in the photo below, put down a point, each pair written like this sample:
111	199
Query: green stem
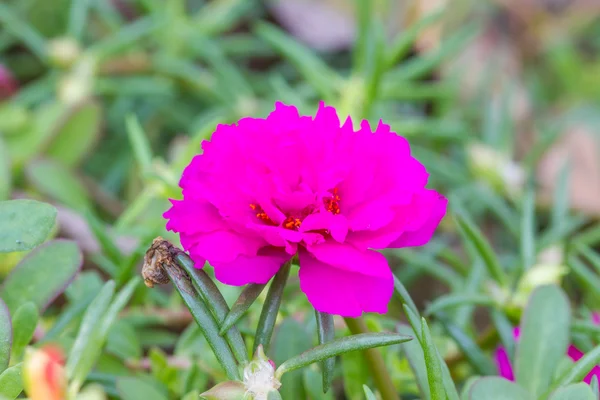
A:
375	362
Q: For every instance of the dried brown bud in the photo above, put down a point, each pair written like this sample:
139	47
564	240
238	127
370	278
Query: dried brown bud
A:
159	254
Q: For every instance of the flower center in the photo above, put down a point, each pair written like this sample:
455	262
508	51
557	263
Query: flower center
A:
332	204
293	222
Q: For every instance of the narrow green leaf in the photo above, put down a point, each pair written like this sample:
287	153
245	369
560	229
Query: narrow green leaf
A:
474	354
540	350
25	224
577	391
119	302
127	36
581	368
432	363
11	383
594	386
420	66
139	143
268	315
560	205
24	323
86	346
458	299
323	79
78	18
361	341
401	292
205	320
528	256
42	275
216	303
416	358
326	333
5	336
586	278
484	249
368	393
105	239
249	294
404	42
505	331
68	315
22	30
131	388
496	388
363	41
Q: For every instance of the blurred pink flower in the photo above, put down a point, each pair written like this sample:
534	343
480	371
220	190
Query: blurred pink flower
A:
8	83
505	369
266	189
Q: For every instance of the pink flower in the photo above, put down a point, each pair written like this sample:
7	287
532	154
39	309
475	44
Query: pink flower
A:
266	189
505	369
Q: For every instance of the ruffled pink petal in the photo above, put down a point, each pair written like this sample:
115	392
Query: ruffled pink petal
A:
251	269
225	246
429	212
341	288
505	369
193	217
336	225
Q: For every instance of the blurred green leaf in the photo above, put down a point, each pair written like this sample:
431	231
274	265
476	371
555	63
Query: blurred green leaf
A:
453	300
76	134
544	338
25	224
323	79
355	372
581	368
289	339
88	342
313	384
5	172
23	30
11	383
528	256
24	322
579	391
485	250
56	181
496	388
139	143
42	275
130	388
5	336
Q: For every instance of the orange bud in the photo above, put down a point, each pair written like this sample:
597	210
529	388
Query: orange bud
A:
44	374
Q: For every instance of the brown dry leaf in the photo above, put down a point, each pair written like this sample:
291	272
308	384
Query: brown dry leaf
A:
580	146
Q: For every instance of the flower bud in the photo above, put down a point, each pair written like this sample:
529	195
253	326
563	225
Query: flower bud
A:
63	52
496	169
44	375
230	390
539	275
259	376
